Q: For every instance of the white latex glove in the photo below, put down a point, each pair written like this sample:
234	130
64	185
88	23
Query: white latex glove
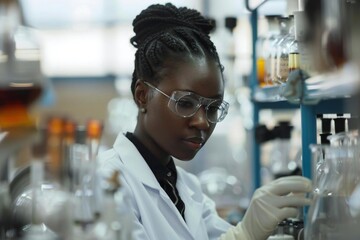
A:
271	204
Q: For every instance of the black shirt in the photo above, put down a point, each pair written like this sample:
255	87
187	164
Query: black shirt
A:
165	175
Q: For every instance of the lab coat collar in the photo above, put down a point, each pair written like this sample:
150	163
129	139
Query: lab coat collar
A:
133	160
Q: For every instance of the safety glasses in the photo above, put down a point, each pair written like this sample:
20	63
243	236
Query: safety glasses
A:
185	104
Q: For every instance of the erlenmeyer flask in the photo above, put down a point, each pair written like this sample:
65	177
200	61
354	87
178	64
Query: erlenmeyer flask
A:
334	213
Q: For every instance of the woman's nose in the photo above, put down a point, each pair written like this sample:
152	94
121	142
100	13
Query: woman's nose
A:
199	120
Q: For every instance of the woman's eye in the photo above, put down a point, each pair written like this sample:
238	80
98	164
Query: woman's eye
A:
213	109
185	103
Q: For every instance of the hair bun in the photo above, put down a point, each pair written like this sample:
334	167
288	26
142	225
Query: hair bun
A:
158	18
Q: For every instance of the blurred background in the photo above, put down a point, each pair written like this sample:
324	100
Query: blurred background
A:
76	57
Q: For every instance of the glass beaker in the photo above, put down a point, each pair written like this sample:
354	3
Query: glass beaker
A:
335	212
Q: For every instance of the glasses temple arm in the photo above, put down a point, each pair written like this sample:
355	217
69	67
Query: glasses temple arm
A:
152	86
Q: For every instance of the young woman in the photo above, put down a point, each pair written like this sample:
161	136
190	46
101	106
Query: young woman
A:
178	86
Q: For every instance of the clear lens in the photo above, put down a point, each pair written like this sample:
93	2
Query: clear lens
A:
214	111
187	105
221	108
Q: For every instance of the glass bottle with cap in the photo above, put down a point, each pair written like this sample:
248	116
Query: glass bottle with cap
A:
284	25
269	44
282	54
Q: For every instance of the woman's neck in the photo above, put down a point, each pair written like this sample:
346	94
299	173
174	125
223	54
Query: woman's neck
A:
151	145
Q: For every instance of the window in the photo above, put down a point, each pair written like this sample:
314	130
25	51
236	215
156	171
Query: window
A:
87	38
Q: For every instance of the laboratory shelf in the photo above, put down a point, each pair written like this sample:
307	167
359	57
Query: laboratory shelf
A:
336	92
339	84
269	93
276	105
323	94
326	93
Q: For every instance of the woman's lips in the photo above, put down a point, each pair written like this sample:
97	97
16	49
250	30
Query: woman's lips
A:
194	143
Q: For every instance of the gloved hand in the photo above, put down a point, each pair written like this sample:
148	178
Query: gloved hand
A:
271	204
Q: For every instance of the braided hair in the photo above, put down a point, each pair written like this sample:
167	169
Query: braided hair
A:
165	32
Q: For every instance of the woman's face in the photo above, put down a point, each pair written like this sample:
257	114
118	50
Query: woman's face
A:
166	133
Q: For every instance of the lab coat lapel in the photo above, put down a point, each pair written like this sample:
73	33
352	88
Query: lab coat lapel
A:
193	208
133	160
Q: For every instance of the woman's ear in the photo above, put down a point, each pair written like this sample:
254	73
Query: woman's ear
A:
141	92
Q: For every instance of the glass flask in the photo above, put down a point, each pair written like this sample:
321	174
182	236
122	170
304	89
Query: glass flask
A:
335	209
21	80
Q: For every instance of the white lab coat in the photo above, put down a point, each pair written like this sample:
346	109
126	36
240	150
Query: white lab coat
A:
155	215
